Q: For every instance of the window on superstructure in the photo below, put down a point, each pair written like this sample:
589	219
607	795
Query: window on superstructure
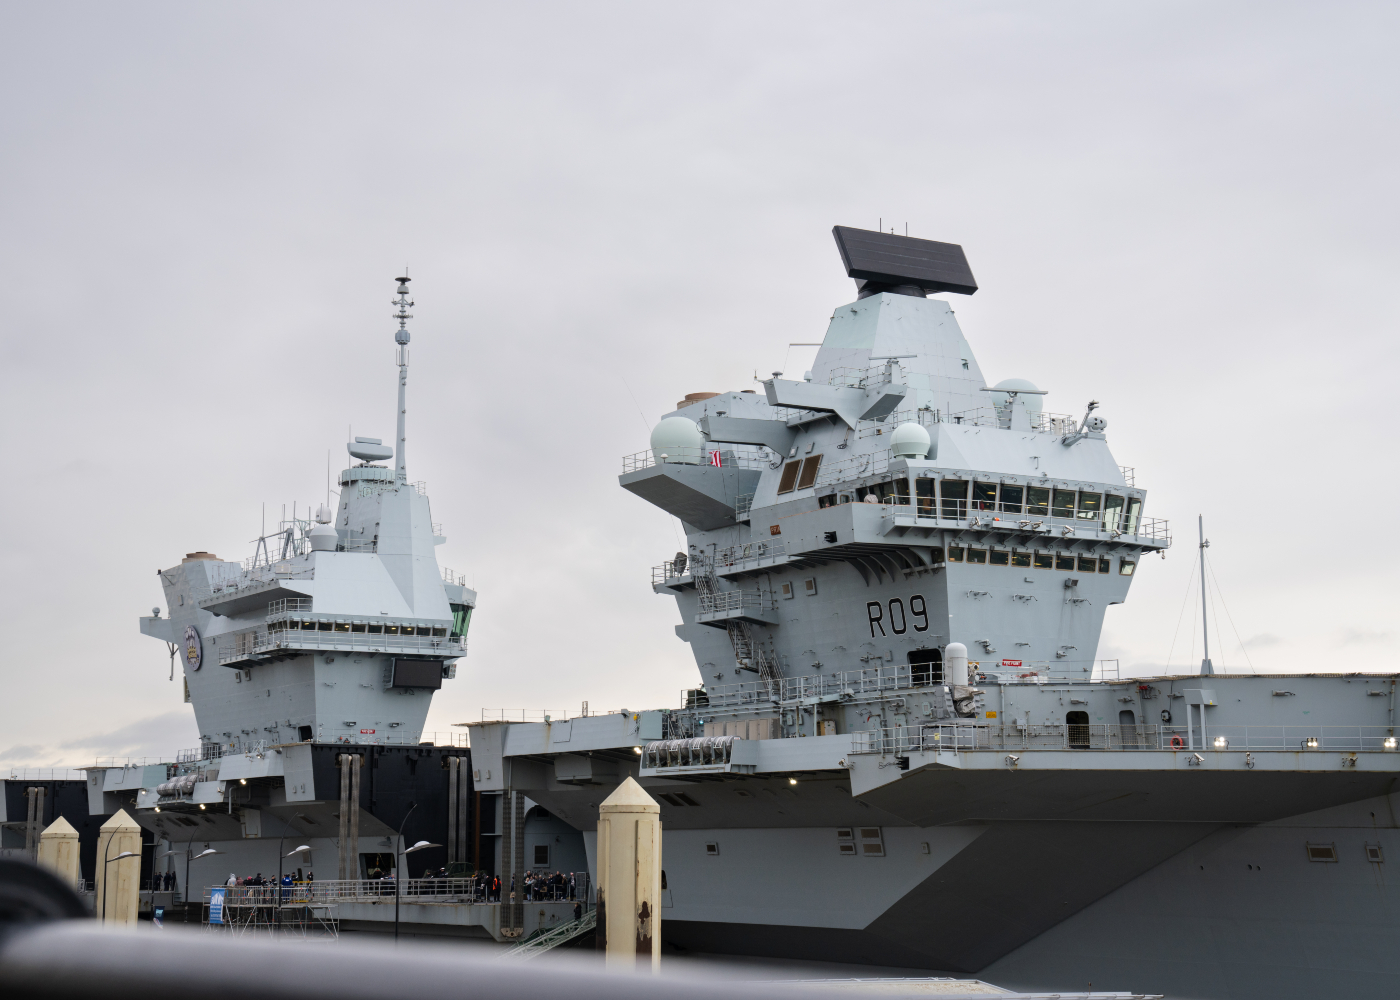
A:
977	555
984	496
789	480
1130	520
1020	558
1126	567
955	553
923	488
1090	505
1064	560
1011	498
1044	560
1088	564
954	496
1037	500
827	501
998	558
1112	512
810	466
1105	564
461	618
1063	504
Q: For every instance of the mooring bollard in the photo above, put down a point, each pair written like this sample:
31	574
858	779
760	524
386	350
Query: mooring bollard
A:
629	879
58	851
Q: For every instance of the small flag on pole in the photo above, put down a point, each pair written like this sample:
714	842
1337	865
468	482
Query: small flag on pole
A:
714	458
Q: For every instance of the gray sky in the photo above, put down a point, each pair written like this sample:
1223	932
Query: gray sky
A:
1184	210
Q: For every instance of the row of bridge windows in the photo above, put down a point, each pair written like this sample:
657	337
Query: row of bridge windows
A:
956	499
1040	560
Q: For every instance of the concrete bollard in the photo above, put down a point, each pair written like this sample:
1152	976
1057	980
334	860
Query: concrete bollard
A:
117	889
58	851
629	879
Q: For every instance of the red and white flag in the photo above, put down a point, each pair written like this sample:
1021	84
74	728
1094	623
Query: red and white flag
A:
714	458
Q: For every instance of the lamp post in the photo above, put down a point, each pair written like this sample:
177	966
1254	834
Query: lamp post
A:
107	861
189	854
398	865
281	843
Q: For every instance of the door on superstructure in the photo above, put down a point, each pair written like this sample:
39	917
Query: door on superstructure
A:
1077	729
1127	727
925	667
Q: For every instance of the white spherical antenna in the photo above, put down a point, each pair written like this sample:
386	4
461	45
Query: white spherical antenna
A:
910	440
1096	424
324	515
679	440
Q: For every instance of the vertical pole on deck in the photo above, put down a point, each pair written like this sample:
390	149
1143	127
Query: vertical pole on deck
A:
1206	666
354	857
629	880
344	832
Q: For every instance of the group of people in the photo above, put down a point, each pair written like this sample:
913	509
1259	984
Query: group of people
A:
542	885
258	880
162	881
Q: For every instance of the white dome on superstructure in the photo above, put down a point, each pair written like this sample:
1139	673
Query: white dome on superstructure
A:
679	440
910	440
1030	393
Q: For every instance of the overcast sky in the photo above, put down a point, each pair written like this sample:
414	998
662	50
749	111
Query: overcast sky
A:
1184	210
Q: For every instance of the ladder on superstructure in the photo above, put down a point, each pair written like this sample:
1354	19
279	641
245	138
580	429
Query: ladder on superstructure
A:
748	654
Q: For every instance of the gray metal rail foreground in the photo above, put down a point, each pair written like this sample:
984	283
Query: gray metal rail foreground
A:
536	946
75	960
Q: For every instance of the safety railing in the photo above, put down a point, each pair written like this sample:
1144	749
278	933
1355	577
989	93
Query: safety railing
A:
745	458
743	506
937	737
736	555
734	601
44	774
288	606
539	887
1014	517
245	645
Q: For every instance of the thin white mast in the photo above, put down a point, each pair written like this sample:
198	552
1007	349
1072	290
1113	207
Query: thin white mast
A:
401	338
1206	667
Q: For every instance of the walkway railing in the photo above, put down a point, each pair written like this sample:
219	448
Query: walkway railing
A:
526	950
940	737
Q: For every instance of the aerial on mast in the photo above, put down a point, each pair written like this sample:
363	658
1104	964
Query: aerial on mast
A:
1206	666
401	338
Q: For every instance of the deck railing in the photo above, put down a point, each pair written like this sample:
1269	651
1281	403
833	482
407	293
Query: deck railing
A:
935	737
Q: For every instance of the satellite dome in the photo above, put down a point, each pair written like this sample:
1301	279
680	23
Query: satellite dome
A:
370	450
1029	390
323	536
678	440
324	514
910	441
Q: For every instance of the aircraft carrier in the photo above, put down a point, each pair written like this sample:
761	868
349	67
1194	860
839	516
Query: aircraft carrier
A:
898	751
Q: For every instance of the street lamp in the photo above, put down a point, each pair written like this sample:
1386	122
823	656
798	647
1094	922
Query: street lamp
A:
107	861
189	854
281	843
398	865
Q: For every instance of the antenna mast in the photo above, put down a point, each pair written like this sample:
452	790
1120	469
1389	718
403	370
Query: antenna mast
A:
1206	667
401	338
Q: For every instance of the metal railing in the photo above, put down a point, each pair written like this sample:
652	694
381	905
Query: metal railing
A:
735	600
288	606
473	889
1015	517
736	555
937	737
245	645
700	751
746	458
538	945
743	506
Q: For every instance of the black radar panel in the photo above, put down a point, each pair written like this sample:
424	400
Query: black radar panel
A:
884	260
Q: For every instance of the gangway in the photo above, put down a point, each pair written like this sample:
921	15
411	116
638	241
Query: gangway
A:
535	946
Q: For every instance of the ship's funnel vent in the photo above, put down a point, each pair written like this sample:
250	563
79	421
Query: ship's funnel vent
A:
884	262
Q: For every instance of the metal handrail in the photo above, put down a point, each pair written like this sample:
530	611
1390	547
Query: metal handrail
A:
747	458
938	737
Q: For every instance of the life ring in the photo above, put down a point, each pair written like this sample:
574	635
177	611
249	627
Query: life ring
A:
1178	743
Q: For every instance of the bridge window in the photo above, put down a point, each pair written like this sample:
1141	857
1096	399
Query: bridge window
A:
1126	567
827	501
1090	505
1019	558
955	553
810	466
789	480
1063	505
1130	520
954	498
999	558
924	489
1113	512
984	496
1064	560
977	555
1044	560
1105	564
1037	500
1088	564
1011	497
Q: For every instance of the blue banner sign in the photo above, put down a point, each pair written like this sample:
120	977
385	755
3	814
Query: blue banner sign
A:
216	905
